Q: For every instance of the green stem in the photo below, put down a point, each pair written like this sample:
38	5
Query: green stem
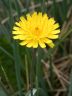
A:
27	74
31	73
37	69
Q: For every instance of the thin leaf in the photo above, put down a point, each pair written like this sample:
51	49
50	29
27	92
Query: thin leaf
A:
6	52
70	86
3	90
17	67
33	91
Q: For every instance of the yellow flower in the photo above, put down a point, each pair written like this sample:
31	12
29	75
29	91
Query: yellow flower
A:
36	29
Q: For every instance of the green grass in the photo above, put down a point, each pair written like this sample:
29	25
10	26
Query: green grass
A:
21	69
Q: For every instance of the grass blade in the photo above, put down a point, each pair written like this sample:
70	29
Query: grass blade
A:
17	67
70	86
6	52
3	91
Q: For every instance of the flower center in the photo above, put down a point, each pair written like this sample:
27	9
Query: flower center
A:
37	32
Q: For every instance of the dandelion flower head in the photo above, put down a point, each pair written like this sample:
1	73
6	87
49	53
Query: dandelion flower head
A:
35	30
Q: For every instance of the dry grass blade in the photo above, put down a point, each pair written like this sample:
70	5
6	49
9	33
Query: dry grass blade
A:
58	69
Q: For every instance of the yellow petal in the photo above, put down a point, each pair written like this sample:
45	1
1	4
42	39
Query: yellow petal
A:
15	37
15	28
34	14
22	19
19	31
28	16
51	21
35	44
46	40
45	17
16	32
42	44
18	24
55	26
40	15
55	31
30	43
24	42
53	36
21	37
34	19
51	45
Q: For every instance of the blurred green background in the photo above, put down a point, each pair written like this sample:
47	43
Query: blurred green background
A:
16	62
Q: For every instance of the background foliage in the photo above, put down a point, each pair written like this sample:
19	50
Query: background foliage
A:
18	73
